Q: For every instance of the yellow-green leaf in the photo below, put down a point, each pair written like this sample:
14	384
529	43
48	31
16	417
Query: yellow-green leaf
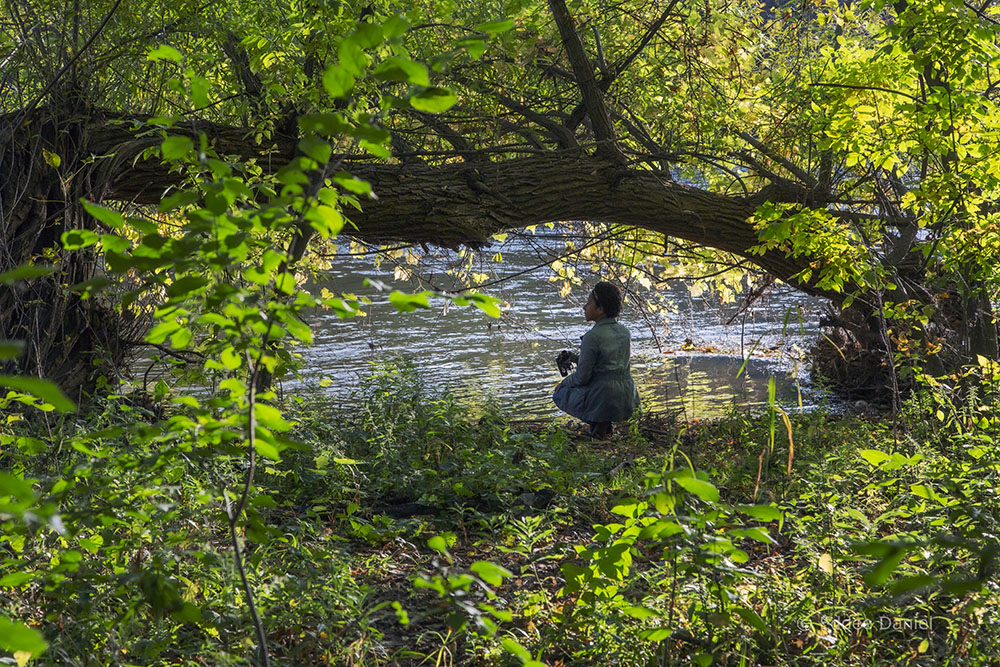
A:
17	638
43	389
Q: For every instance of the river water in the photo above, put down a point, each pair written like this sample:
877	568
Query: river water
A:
690	362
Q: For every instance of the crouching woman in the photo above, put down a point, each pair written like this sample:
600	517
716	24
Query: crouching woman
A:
601	390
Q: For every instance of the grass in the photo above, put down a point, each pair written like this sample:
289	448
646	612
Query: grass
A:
367	547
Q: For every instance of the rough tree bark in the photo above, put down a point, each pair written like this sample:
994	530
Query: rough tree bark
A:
46	172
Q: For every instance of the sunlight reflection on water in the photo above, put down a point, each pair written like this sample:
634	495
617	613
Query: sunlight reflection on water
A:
511	361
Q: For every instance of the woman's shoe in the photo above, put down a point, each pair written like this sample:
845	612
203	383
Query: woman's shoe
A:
600	429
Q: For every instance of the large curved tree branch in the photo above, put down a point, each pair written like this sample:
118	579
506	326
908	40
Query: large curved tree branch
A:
458	203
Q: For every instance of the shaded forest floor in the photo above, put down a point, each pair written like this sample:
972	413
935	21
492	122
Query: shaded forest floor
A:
405	532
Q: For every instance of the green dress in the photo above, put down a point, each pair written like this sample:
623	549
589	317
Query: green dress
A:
601	389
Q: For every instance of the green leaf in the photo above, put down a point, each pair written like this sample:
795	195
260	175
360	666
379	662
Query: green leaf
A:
270	416
299	329
406	303
700	488
401	615
433	100
80	447
24	272
337	81
494	27
43	389
352	184
113	243
285	282
873	456
326	220
182	287
516	649
751	618
266	449
199	91
30	446
753	533
912	583
16	638
761	512
352	57
488	304
641	613
394	26
216	319
165	52
474	47
438	543
367	35
79	238
16	487
189	401
162	331
175	148
378	150
890	554
178	199
16	579
317	149
489	572
263	501
180	338
395	68
327	124
109	217
11	349
230	358
188	613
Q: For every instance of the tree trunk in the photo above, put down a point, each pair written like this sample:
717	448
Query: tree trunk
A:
67	339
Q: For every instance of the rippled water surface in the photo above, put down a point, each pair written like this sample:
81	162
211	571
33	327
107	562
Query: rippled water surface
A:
689	362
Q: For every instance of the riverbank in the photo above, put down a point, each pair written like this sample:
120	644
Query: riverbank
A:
408	533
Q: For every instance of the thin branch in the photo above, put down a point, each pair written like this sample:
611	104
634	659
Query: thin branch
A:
51	84
980	13
568	253
821	84
794	169
448	133
177	354
564	138
620	65
593	96
247	591
601	61
623	64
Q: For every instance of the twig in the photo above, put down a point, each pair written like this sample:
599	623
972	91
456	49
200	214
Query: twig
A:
167	351
570	253
853	87
72	61
238	554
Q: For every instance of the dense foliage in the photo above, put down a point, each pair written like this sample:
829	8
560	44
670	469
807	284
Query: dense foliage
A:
405	532
168	170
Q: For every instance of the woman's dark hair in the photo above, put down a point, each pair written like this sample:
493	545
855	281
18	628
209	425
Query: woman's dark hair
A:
609	298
